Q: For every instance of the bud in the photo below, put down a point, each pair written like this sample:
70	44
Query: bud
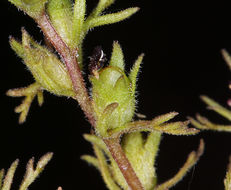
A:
46	68
113	93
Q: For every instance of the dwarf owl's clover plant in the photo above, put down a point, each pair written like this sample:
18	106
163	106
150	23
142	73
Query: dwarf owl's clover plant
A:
124	156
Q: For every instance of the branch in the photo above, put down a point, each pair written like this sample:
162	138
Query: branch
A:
71	63
123	164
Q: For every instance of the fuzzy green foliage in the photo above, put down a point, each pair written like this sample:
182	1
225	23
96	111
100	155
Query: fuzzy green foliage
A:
141	152
202	122
227	180
72	25
33	8
30	175
113	93
111	107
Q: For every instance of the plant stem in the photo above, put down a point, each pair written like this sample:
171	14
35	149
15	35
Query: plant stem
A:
70	60
84	100
124	165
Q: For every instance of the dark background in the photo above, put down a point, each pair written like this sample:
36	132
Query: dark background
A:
182	46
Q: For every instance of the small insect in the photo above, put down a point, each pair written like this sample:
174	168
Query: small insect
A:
97	61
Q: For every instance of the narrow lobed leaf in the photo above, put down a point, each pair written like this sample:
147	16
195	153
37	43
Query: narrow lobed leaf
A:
78	22
134	72
1	177
227	180
105	170
110	18
32	174
17	47
43	161
91	160
226	57
9	176
217	107
117	57
102	5
96	141
205	124
190	162
163	118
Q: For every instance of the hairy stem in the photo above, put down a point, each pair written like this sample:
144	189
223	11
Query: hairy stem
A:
70	60
123	163
84	100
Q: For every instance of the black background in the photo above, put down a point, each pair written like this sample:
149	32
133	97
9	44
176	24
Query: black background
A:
182	44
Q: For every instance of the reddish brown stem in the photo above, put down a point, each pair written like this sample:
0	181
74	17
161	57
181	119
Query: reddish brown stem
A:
70	60
84	101
123	163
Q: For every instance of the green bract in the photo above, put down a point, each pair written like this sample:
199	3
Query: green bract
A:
113	93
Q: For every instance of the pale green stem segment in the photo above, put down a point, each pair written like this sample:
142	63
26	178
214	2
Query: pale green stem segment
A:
216	107
191	161
227	180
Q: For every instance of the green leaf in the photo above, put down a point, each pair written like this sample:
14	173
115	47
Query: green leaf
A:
96	141
105	170
117	57
227	181
192	159
9	176
1	177
78	22
17	47
110	18
31	173
102	5
217	107
134	72
60	14
226	57
204	124
34	8
174	128
91	160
